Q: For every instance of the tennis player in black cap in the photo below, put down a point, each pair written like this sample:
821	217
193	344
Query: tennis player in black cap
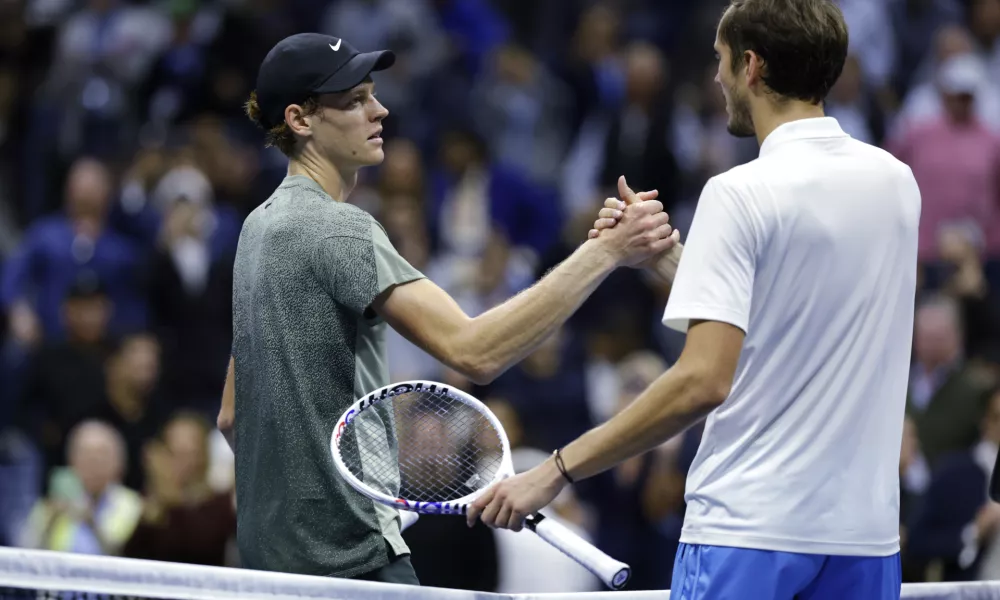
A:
316	280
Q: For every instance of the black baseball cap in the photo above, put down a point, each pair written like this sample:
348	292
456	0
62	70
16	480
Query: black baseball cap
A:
306	64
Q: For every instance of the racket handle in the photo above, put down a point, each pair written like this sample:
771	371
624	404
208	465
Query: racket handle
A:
407	518
615	574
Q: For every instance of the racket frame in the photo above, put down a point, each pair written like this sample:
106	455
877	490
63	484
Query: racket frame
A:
458	506
613	573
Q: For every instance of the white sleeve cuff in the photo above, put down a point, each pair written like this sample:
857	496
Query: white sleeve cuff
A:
679	318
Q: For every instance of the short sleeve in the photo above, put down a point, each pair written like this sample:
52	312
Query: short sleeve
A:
355	269
715	277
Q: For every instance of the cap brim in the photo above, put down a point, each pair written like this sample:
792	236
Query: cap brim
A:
356	70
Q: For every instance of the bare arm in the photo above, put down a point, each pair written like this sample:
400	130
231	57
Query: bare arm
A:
227	413
482	348
665	265
685	394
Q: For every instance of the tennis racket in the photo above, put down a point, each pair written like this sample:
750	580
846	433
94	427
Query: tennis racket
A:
425	447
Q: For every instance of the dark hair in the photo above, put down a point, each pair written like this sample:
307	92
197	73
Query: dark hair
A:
803	43
279	136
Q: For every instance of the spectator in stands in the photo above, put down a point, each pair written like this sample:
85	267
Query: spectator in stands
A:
523	112
484	248
914	27
55	250
591	67
470	195
637	144
548	390
183	519
134	404
924	101
475	27
868	21
962	275
955	160
700	138
231	166
625	528
178	80
191	289
983	17
88	510
946	399
956	525
64	381
403	172
594	73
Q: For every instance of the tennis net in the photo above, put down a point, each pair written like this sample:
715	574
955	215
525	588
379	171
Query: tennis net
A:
38	575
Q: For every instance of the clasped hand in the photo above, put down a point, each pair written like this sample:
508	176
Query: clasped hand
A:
638	230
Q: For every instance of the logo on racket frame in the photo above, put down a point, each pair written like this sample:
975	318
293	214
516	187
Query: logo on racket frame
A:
432	508
402	388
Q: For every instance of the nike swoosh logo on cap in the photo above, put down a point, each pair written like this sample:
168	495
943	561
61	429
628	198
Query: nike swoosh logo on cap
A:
337	47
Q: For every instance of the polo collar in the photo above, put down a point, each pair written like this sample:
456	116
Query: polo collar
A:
802	129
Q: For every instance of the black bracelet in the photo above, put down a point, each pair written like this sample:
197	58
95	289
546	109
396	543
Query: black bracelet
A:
561	466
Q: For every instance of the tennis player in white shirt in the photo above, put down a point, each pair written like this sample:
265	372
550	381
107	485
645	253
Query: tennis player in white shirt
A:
796	290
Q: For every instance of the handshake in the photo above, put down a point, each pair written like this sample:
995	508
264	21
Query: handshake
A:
637	233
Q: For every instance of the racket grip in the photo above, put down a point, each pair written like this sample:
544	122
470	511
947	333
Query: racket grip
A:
407	518
615	574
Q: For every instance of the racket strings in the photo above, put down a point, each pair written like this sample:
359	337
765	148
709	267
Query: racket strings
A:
423	447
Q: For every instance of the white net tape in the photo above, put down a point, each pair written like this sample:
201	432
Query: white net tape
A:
38	574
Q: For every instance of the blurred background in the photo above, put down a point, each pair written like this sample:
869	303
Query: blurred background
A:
127	166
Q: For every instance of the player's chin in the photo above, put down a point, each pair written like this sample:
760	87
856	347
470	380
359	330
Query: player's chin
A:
371	157
739	128
372	154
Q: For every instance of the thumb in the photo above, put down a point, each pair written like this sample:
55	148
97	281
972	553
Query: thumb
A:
625	192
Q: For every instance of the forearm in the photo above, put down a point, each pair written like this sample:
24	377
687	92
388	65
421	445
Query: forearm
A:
665	268
670	405
507	333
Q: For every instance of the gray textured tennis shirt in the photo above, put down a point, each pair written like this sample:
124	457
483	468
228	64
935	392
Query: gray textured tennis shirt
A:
305	348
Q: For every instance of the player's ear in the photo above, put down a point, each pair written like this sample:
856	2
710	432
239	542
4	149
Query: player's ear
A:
297	120
753	68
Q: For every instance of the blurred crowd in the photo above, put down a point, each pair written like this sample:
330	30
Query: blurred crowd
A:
127	166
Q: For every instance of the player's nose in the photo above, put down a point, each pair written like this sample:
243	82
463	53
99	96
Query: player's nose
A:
380	111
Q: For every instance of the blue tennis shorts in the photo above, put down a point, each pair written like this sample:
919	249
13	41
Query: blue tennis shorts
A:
723	573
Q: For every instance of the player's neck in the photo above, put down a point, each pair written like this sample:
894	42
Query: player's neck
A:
768	116
335	182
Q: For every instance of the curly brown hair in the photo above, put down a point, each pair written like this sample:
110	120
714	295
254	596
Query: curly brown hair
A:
279	136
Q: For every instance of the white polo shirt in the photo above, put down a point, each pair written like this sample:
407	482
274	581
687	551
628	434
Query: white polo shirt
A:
811	250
